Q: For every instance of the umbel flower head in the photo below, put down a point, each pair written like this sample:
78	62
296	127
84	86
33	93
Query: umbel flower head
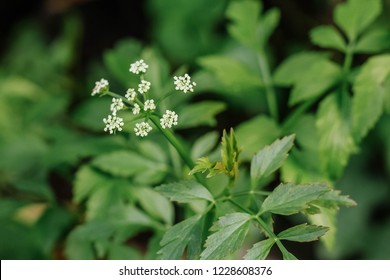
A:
113	123
149	105
138	67
131	94
184	83
169	119
100	87
142	129
116	105
136	109
144	86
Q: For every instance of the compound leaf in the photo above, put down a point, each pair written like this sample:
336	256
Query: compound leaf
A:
303	233
260	250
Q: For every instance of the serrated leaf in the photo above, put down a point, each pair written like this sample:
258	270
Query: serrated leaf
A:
231	73
260	250
336	143
204	111
288	199
327	37
303	233
254	134
177	238
315	80
291	69
373	41
155	204
333	199
230	232
354	16
126	163
270	159
267	24
185	191
369	95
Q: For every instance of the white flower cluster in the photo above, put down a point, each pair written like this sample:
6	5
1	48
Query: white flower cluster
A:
100	87
142	129
131	94
144	86
184	83
169	119
138	66
116	105
113	123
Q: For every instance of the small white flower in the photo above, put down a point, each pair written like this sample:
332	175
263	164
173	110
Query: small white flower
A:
113	123
169	119
184	83
100	86
130	94
116	105
149	105
144	86
136	109
142	129
138	66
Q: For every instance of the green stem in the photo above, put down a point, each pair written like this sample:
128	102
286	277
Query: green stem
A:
297	113
272	235
270	91
179	148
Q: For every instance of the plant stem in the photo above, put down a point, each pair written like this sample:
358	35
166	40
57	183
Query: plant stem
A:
270	91
297	113
179	148
272	235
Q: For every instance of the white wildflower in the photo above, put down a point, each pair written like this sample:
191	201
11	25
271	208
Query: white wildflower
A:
138	66
149	105
100	87
130	94
184	83
144	86
113	123
136	109
116	105
169	119
142	129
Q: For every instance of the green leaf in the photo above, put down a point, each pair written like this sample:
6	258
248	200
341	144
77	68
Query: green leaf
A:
328	218
303	233
155	204
336	143
230	232
267	25
315	80
270	159
122	252
288	199
86	181
244	16
126	163
333	200
291	69
177	238
231	73
354	16
327	37
185	191
288	256
376	40
254	134
369	95
204	144
260	250
204	111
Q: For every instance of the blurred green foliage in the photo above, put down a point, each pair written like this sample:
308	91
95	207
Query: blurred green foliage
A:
69	191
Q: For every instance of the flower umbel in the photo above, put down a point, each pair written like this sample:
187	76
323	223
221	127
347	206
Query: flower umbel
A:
144	86
100	87
130	94
138	66
113	123
149	105
142	129
184	83
136	109
169	119
116	105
